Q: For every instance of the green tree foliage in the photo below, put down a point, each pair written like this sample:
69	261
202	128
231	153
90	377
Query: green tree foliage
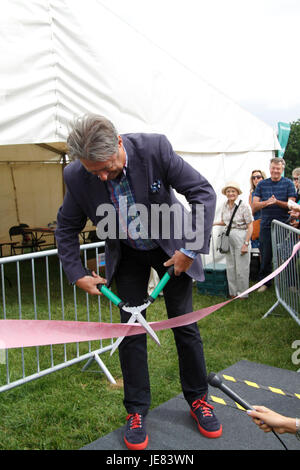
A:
292	152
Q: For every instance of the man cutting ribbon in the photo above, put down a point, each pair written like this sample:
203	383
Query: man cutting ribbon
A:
121	175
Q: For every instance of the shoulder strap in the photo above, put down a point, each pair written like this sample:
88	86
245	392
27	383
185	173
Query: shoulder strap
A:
230	223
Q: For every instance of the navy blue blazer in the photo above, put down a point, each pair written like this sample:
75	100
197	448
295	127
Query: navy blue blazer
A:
150	159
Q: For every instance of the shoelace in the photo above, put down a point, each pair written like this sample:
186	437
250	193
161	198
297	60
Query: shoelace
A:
136	420
205	407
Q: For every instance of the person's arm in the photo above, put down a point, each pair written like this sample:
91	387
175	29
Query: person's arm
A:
283	204
269	420
258	204
251	200
181	176
197	191
246	244
71	220
219	223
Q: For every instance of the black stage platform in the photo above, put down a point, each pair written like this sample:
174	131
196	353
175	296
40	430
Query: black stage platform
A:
170	426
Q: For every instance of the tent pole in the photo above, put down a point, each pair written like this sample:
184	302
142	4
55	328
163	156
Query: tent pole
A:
15	192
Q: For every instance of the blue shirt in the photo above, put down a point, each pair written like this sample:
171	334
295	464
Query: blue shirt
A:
282	190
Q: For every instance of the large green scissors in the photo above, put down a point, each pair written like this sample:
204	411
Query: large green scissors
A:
136	312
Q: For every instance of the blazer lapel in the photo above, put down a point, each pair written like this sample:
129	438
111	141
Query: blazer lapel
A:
138	174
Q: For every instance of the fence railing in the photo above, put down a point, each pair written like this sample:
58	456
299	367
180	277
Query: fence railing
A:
33	286
287	283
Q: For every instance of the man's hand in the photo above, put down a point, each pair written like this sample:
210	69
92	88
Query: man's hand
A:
89	283
180	261
272	200
295	212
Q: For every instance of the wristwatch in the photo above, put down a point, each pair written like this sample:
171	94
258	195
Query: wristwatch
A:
298	428
246	243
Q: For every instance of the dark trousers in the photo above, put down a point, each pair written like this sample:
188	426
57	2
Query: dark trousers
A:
265	247
132	281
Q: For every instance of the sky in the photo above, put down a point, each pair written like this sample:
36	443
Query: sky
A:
246	49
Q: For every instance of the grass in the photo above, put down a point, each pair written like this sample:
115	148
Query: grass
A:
70	408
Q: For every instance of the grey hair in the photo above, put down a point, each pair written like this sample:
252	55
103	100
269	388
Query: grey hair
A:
278	161
93	137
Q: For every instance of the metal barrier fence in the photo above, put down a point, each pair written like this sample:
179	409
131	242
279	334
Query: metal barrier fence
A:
52	299
287	283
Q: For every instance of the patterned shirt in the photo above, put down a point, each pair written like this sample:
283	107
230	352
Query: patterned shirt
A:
243	215
282	190
121	195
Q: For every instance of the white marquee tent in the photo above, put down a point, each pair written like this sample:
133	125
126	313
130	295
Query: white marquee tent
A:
60	59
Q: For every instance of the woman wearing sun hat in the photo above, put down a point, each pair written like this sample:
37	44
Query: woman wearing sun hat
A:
238	258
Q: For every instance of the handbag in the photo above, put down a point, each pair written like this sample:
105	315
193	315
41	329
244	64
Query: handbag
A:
256	229
223	238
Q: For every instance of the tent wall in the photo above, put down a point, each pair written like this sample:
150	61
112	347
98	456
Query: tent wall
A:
58	63
29	193
220	168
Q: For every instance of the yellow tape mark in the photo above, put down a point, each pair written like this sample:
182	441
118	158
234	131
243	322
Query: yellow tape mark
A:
223	402
255	385
251	384
218	400
277	390
240	406
228	377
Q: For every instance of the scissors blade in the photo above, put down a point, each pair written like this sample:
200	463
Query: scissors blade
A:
116	344
147	327
136	316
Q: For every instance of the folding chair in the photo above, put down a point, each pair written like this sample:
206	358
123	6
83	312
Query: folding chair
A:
26	240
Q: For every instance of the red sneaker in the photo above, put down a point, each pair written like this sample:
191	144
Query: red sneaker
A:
207	422
136	437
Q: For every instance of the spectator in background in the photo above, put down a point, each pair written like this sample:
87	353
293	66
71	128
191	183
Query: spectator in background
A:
296	180
271	197
238	258
256	177
295	212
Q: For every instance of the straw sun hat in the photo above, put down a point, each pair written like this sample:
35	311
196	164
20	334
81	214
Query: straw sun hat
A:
232	184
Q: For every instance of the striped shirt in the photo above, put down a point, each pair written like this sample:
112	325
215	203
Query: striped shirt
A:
282	190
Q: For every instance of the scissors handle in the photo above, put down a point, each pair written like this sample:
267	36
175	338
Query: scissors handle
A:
110	295
166	277
107	292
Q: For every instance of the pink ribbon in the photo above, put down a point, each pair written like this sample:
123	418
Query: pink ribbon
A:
26	333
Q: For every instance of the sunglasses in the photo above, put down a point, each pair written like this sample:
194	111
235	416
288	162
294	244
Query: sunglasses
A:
257	177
